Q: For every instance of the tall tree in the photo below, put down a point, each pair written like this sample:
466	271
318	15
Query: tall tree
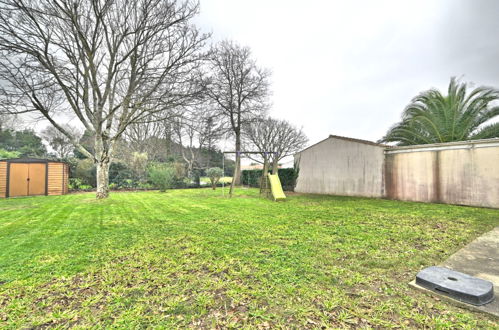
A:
196	129
108	63
152	137
26	143
239	90
62	146
279	137
8	121
460	115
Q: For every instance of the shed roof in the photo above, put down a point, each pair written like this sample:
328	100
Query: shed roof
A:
419	147
359	141
331	136
30	160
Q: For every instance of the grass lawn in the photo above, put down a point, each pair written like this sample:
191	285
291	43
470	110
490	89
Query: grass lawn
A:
206	180
192	258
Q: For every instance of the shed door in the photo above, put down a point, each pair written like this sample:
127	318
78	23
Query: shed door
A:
36	180
27	179
18	180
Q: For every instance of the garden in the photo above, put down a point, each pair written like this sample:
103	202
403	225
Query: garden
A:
192	258
151	113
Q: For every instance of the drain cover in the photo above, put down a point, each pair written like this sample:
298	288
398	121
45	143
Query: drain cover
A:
459	286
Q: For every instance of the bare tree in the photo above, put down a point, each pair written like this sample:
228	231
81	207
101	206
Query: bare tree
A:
7	121
59	142
152	137
239	89
278	137
196	129
108	63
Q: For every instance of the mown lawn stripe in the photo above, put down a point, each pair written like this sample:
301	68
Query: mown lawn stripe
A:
194	258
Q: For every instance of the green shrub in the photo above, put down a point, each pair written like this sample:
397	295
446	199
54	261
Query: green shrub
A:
214	173
120	175
165	176
85	171
4	154
76	184
287	176
144	185
251	177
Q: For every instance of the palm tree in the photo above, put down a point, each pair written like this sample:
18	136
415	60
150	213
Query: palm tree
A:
459	116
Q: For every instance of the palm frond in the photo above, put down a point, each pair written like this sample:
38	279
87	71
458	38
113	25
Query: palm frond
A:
487	132
432	117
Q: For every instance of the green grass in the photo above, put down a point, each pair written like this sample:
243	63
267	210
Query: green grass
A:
193	258
206	180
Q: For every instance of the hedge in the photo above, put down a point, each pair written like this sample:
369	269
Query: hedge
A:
286	175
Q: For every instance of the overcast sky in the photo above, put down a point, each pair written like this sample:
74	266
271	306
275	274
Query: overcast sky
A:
350	67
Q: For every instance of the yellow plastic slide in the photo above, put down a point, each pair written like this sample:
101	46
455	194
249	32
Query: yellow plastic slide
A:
276	188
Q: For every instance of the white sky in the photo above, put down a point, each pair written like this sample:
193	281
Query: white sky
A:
350	67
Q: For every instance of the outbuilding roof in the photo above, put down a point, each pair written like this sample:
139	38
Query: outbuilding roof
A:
419	147
331	136
30	160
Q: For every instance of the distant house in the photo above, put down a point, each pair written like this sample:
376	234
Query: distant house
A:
254	166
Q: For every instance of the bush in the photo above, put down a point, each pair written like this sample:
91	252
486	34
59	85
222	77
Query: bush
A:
86	172
131	185
120	175
4	154
287	176
76	184
214	173
165	176
144	186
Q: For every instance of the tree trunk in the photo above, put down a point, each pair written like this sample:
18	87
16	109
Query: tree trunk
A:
263	178
237	169
275	165
102	162
189	170
236	179
197	178
102	180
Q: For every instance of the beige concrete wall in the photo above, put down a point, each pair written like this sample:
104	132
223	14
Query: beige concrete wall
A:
411	176
456	173
339	166
465	173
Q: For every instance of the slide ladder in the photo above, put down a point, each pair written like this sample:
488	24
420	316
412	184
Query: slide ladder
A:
276	188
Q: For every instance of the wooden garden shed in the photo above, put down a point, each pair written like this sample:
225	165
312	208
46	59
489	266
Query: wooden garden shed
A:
33	177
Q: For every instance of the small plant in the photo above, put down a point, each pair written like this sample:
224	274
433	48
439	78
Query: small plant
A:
214	173
74	184
4	154
163	177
